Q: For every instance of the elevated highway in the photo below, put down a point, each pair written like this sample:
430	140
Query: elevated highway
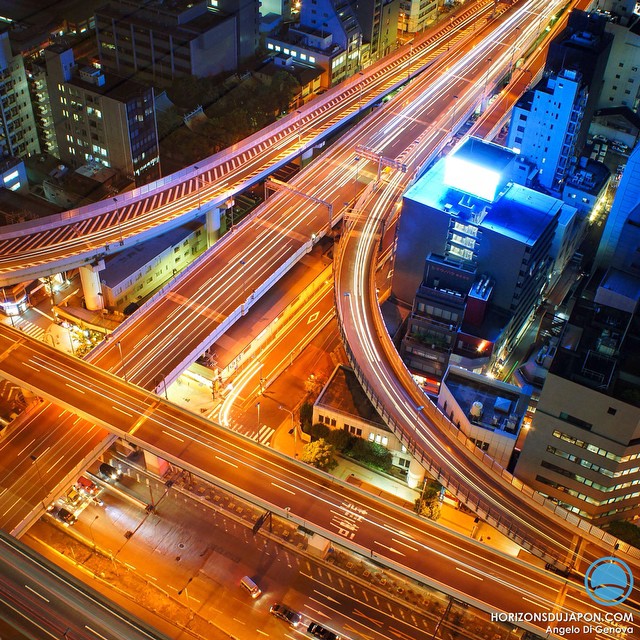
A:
45	602
455	564
86	235
410	129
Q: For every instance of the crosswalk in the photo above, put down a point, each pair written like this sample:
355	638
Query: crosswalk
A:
29	328
262	436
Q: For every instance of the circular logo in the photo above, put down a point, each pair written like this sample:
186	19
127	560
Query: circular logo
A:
608	581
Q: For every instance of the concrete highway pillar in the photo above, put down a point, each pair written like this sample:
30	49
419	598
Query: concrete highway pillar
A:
214	216
415	475
91	286
154	464
213	225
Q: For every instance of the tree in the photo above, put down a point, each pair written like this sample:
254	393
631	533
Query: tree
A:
319	454
340	439
371	454
429	504
306	416
319	431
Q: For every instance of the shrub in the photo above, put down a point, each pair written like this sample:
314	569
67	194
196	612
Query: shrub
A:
319	430
319	454
340	439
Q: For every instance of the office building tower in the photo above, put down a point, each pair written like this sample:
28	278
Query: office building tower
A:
102	119
583	449
160	41
624	211
18	134
544	126
461	215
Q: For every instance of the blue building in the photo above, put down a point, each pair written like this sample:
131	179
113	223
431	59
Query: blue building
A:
487	246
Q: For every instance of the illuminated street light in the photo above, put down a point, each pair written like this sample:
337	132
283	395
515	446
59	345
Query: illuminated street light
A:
293	428
243	264
93	541
124	371
35	461
119	222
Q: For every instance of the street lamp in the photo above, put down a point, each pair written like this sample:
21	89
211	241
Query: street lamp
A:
293	428
93	541
68	327
35	461
453	113
118	213
258	408
124	371
195	170
484	86
243	264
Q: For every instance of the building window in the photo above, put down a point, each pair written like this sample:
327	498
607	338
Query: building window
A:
611	411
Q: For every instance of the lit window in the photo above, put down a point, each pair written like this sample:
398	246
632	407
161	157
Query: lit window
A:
270	46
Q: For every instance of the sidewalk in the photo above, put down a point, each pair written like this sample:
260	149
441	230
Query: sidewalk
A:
400	493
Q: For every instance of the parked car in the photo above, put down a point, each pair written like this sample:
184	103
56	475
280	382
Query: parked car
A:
285	613
86	486
66	516
318	631
108	472
73	497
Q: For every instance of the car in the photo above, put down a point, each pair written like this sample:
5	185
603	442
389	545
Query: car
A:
318	631
285	613
86	486
66	516
109	472
73	497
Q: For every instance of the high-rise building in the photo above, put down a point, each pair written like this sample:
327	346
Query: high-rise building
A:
460	215
415	15
545	124
18	134
583	46
583	449
379	24
160	41
625	203
100	119
621	78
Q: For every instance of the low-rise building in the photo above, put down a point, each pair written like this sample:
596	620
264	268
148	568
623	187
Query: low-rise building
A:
342	404
488	411
137	272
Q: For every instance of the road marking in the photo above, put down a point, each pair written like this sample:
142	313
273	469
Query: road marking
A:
36	593
66	384
390	548
469	573
26	364
405	545
126	413
277	486
227	462
95	632
172	435
538	603
324	595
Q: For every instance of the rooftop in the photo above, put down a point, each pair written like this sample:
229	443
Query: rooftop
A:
344	393
491	404
591	178
517	212
601	341
123	264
